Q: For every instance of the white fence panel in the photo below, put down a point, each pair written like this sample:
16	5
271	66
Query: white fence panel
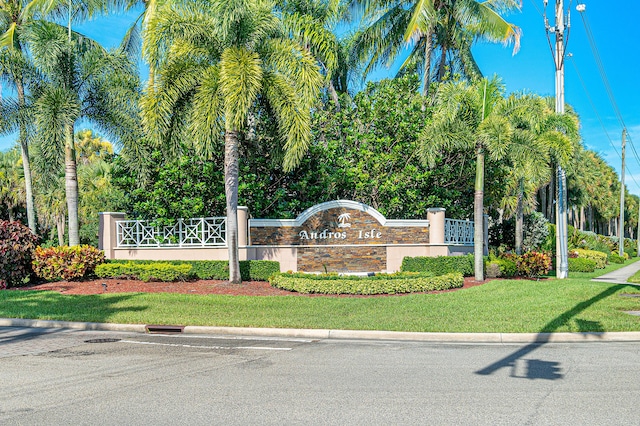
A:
458	232
197	232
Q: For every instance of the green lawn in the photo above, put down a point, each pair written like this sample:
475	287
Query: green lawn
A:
575	304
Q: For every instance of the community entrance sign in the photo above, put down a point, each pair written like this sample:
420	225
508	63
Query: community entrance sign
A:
336	236
339	236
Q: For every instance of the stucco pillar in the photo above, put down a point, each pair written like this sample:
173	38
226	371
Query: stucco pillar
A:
107	238
243	225
436	217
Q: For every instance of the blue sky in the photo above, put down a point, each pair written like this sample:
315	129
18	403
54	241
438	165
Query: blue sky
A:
617	38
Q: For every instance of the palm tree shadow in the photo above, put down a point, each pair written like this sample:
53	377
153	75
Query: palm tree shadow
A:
94	308
538	369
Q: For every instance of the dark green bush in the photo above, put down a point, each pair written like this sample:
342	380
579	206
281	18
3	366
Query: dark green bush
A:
439	265
157	271
382	284
581	264
499	267
65	263
250	270
17	244
615	258
379	276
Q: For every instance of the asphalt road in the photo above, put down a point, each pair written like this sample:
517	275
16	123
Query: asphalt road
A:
64	377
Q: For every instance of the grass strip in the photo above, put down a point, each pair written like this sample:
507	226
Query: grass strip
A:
575	304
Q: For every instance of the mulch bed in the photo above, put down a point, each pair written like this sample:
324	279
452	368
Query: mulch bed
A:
248	288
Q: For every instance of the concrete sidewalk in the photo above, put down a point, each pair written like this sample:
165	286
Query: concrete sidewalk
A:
322	334
619	276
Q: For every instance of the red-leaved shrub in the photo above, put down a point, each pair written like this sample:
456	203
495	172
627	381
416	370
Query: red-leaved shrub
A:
533	264
17	243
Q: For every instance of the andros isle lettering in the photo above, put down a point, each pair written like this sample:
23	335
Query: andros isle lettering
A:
339	235
324	235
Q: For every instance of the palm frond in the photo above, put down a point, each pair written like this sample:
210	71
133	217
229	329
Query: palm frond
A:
240	82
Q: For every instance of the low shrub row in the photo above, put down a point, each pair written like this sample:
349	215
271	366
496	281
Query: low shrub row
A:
250	270
439	265
379	284
597	256
531	264
377	276
580	264
156	271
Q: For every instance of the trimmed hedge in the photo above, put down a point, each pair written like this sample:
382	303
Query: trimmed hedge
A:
597	256
250	270
378	276
439	265
379	284
156	271
580	264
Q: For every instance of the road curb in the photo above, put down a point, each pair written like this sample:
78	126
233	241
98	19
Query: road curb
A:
500	338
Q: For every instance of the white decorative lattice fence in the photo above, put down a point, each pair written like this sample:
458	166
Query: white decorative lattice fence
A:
458	232
196	232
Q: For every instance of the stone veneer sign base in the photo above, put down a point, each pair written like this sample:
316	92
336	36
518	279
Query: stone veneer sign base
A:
339	236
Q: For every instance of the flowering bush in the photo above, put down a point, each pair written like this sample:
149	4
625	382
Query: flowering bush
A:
17	243
533	264
66	263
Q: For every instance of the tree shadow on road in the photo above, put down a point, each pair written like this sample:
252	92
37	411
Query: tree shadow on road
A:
549	370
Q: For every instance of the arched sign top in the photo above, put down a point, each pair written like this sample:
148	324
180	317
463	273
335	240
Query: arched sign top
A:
305	215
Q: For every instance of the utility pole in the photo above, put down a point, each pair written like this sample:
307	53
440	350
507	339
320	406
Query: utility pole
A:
638	233
621	228
559	31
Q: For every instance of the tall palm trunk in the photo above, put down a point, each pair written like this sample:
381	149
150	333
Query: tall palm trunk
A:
334	95
443	62
520	218
71	186
60	229
427	63
231	173
26	163
551	197
478	218
542	193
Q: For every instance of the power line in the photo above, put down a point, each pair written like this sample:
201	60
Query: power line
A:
595	110
593	106
605	80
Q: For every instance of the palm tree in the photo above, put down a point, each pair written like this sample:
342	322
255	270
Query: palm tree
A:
447	27
536	142
313	24
216	61
81	81
466	116
16	68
